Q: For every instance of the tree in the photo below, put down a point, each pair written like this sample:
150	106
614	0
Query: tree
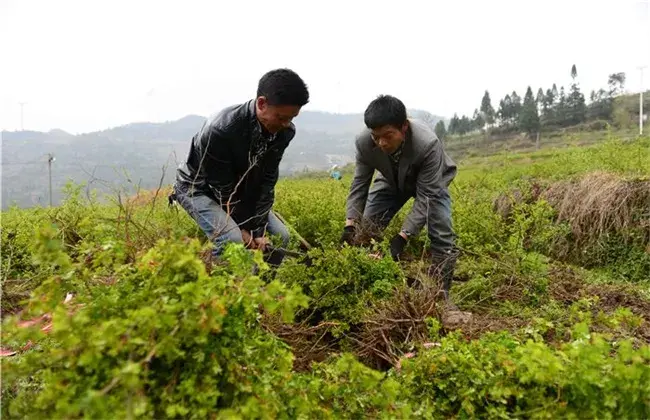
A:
454	124
539	100
600	105
576	108
548	105
486	108
440	130
505	110
465	125
560	109
515	108
528	117
478	122
616	83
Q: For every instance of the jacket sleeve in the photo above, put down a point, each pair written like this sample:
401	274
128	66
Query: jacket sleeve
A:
215	159
358	194
430	182
263	206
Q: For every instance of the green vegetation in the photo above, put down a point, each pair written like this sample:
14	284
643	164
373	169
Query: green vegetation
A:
554	266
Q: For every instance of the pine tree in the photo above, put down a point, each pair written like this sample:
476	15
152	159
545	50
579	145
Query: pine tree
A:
560	109
477	120
528	117
440	130
576	108
505	111
540	98
548	116
487	109
515	108
453	124
465	125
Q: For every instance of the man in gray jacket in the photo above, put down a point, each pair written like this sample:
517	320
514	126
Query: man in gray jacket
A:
411	162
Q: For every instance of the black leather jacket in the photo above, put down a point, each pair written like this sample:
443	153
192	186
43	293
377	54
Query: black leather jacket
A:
220	164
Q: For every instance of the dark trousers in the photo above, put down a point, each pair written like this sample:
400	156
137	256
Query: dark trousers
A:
218	225
384	202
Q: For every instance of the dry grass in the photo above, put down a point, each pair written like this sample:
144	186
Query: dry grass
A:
308	343
148	197
396	323
601	203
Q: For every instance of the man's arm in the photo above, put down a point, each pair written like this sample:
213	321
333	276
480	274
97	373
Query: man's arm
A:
429	183
356	201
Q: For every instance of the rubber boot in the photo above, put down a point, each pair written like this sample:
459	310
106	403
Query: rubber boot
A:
274	256
442	268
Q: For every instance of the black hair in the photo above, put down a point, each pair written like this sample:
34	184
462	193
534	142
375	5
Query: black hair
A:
385	110
283	87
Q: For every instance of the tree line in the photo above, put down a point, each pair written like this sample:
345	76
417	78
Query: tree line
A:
547	110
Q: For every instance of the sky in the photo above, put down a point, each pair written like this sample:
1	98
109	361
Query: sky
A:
81	65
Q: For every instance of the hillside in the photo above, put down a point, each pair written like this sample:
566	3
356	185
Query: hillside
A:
115	311
135	154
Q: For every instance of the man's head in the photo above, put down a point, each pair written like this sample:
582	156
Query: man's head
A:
387	121
280	95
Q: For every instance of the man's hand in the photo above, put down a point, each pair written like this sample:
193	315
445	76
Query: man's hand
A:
254	243
261	243
248	239
348	234
397	245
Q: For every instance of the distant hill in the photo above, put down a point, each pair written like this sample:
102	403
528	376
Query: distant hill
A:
135	154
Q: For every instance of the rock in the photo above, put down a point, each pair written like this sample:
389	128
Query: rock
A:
452	320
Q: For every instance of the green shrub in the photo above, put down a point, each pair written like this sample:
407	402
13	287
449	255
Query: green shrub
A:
499	376
341	284
165	340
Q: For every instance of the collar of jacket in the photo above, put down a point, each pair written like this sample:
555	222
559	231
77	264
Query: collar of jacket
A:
252	110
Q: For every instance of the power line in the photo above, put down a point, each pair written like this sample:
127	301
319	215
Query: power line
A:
50	159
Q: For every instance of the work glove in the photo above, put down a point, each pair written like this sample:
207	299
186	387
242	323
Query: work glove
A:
397	245
348	234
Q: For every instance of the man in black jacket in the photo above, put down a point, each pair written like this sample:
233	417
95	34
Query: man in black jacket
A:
228	180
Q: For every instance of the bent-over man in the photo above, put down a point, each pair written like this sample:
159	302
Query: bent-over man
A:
411	162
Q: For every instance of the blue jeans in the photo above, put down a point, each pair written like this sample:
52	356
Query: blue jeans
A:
219	227
384	202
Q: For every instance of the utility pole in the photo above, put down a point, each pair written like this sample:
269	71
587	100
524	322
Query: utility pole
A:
50	159
22	104
641	102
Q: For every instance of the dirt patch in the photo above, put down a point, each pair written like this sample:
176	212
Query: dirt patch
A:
612	297
485	323
308	343
567	286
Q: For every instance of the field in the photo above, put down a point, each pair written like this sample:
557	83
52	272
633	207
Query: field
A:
114	311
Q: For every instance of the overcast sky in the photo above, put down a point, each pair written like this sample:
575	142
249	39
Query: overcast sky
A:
84	65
